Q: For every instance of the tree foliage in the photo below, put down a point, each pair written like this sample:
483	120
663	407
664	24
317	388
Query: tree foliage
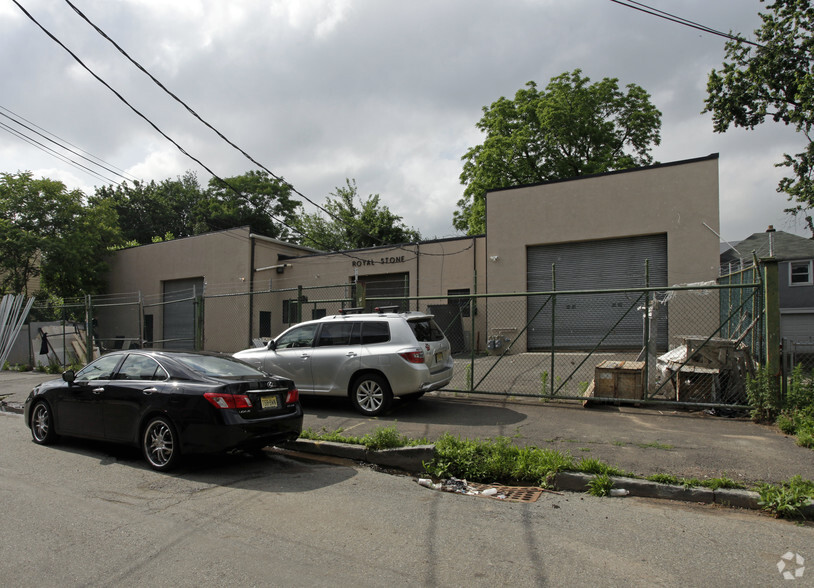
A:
353	223
47	232
255	199
146	210
773	78
181	208
570	129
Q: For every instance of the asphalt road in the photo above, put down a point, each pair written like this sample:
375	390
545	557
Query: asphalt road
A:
643	441
91	514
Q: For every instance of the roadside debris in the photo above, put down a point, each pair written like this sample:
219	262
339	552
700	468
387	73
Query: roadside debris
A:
459	486
496	491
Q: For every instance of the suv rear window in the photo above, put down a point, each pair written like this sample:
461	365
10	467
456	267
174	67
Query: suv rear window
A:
426	330
375	332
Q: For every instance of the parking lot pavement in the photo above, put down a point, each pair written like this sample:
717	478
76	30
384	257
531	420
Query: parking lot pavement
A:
15	386
643	441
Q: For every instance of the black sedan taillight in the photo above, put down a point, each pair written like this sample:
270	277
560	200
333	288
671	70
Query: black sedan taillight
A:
222	401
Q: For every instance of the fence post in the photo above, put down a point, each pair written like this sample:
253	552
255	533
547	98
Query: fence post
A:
198	317
472	338
553	322
89	329
771	298
140	320
647	335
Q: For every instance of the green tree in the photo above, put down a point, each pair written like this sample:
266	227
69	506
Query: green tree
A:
47	232
148	210
773	77
255	199
353	223
570	129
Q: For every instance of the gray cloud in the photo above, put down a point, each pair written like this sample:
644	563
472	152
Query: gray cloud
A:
384	92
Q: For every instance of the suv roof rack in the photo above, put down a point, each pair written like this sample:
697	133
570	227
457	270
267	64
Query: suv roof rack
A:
353	310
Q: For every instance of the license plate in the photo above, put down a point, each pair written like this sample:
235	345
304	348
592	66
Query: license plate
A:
439	357
269	401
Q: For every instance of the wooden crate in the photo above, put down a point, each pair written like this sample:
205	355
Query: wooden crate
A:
619	379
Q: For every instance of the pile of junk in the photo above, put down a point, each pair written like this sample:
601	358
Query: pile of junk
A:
701	370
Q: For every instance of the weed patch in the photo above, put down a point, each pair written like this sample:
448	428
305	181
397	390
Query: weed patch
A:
381	438
601	485
787	499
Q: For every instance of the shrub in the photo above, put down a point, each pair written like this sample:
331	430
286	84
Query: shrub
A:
763	394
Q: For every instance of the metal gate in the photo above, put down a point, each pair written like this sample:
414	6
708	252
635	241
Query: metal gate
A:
611	263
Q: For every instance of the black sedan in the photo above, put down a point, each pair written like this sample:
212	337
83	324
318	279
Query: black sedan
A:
168	403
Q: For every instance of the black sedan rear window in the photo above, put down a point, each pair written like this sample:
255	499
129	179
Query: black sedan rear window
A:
216	366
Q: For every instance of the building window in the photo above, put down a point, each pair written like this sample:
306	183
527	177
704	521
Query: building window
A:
800	273
265	323
290	311
463	304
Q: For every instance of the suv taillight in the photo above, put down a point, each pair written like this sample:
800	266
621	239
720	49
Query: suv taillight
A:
219	400
413	356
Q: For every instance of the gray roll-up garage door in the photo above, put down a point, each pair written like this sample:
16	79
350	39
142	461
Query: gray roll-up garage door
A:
582	320
386	286
179	312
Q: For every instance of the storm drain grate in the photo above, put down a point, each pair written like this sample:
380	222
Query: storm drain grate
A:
513	493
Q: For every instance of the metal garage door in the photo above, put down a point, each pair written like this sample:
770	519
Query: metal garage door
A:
386	286
582	320
179	312
797	326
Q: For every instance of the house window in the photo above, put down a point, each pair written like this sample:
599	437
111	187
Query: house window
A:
462	303
800	273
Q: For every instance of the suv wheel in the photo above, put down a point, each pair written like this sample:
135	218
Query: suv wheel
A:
371	394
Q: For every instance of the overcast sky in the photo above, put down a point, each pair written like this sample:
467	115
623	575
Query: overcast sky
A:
381	91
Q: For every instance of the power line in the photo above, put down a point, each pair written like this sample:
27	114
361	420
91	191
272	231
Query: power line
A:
216	131
682	21
103	165
147	120
34	143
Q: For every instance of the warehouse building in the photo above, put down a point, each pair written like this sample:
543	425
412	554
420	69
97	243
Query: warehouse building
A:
655	226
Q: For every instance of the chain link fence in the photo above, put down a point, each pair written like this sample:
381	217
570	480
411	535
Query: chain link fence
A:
692	345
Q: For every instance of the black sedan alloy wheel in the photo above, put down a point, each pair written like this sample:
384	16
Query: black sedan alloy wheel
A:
160	444
42	428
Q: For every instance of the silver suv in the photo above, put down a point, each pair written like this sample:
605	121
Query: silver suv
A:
369	357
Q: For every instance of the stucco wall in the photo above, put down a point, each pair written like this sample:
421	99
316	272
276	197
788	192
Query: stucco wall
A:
676	199
222	259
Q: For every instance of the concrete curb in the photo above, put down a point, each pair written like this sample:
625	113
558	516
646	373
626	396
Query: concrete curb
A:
578	482
408	459
12	407
412	459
